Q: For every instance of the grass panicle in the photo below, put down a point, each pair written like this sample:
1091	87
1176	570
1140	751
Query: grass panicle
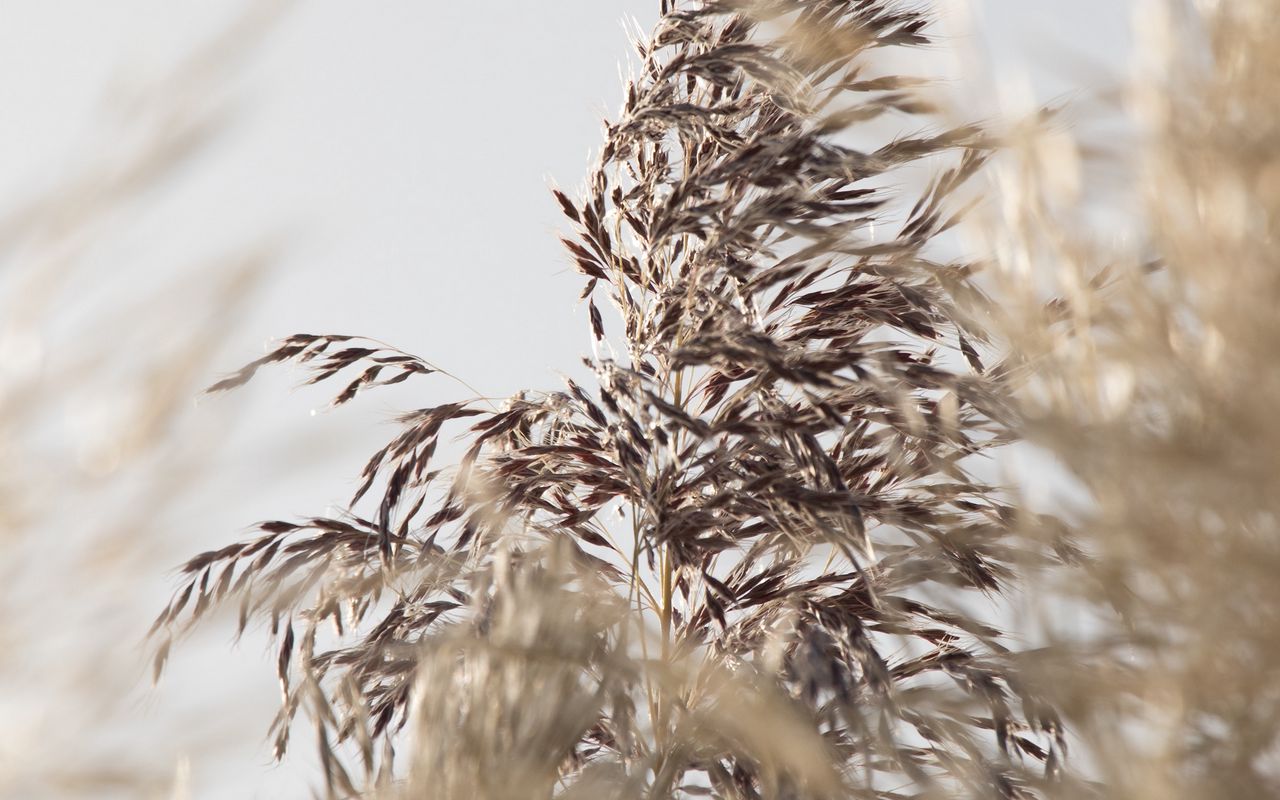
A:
752	558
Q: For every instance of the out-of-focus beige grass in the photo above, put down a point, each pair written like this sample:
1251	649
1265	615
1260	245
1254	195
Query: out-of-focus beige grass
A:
99	448
1153	380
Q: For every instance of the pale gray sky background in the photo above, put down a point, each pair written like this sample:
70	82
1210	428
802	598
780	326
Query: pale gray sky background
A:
402	153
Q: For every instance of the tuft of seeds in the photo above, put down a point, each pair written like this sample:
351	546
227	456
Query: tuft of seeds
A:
753	559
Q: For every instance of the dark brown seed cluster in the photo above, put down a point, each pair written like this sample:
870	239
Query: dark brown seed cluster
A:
765	501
